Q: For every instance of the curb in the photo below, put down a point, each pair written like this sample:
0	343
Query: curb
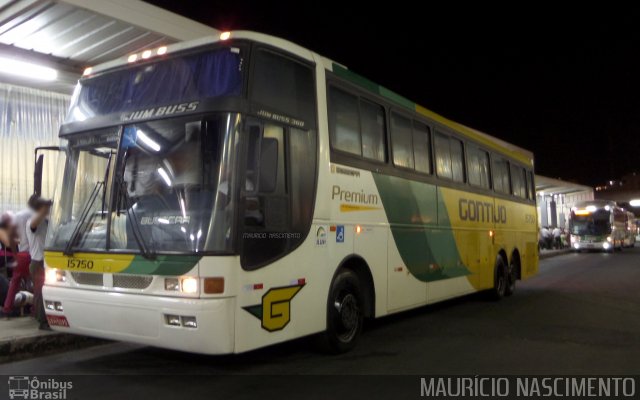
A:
554	253
20	348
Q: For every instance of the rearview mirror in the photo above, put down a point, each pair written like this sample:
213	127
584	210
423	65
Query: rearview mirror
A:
37	170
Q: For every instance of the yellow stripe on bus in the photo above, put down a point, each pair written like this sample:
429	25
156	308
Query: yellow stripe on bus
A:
523	158
355	207
89	262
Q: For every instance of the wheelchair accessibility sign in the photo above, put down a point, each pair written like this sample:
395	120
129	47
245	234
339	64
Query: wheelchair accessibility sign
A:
340	234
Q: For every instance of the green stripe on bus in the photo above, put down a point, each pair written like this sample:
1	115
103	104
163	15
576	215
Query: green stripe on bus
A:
427	246
162	265
372	87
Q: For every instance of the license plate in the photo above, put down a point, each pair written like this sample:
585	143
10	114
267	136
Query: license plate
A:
58	320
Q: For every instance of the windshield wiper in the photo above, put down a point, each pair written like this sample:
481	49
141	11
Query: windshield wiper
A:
123	196
83	217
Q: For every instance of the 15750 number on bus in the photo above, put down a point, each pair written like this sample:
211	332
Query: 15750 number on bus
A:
77	263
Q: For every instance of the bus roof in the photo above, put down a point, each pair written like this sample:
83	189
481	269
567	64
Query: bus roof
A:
493	143
595	203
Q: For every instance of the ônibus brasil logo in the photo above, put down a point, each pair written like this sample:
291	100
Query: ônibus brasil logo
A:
25	387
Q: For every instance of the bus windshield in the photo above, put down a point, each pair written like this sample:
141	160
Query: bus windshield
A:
159	88
166	188
595	223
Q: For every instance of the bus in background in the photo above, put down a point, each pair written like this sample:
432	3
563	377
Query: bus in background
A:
597	225
239	191
632	230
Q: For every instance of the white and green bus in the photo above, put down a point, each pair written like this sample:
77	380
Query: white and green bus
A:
598	225
229	193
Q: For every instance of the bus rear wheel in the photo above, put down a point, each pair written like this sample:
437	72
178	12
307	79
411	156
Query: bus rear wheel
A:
345	313
500	279
512	277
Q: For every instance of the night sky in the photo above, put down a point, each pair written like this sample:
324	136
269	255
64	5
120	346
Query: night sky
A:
562	83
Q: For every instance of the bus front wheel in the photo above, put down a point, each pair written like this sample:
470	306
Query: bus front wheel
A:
345	313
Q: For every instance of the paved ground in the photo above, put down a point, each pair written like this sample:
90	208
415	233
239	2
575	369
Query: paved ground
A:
580	315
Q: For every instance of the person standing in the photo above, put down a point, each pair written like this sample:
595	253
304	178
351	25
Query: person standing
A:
20	220
19	265
36	233
557	237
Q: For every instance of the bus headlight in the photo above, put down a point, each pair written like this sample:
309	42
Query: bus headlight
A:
53	275
609	239
189	285
606	245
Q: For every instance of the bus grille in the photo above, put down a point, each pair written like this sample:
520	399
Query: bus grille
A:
87	278
127	281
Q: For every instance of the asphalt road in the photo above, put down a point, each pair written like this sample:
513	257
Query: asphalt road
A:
579	315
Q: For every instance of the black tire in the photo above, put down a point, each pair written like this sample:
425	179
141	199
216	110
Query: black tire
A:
345	313
499	280
512	277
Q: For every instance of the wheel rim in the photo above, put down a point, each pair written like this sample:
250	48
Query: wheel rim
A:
501	284
512	277
348	316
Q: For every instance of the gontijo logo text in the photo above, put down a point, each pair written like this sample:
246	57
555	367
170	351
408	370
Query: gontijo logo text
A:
481	211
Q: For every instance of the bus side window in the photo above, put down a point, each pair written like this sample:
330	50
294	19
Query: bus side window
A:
264	210
264	176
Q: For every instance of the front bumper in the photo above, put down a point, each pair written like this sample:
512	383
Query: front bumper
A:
142	319
592	246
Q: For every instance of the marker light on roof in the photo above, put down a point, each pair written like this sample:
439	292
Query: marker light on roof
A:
132	58
87	71
225	35
161	50
146	54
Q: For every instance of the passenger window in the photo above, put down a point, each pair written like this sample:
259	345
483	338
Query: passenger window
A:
500	169
344	122
518	182
478	167
443	156
401	141
457	160
422	147
373	128
532	186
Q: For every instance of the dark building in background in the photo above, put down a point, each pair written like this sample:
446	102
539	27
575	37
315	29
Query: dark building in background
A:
625	192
